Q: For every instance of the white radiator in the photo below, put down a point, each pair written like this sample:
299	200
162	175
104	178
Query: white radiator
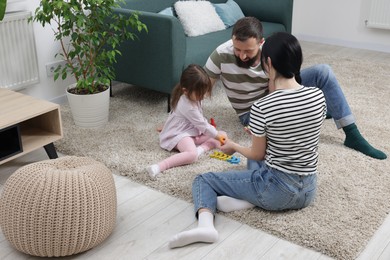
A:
379	14
18	56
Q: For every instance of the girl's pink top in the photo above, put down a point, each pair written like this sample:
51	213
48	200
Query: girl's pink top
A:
185	120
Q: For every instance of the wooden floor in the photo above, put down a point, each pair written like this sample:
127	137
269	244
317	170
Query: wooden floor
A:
147	219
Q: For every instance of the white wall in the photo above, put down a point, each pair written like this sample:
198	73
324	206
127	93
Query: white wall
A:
46	49
339	22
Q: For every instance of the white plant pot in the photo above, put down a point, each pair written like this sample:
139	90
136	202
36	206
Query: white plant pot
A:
89	111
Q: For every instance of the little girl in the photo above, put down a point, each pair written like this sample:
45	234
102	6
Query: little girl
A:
186	129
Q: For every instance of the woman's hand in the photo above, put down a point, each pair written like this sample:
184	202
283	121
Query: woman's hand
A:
228	147
255	152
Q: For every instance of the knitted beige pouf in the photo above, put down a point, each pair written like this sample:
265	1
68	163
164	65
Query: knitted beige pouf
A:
58	207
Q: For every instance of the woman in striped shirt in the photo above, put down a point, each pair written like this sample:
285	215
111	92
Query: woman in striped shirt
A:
282	160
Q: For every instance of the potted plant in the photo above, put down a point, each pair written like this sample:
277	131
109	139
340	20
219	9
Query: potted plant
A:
3	5
89	33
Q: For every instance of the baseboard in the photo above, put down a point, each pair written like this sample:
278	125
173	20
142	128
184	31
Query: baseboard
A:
349	44
59	100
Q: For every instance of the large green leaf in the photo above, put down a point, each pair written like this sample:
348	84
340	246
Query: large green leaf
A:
3	5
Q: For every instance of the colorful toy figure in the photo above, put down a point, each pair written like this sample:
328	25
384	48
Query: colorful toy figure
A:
222	140
225	157
212	122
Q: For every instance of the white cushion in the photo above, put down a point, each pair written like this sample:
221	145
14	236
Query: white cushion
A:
198	17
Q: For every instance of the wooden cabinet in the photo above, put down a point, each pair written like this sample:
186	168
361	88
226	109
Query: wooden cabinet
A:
26	124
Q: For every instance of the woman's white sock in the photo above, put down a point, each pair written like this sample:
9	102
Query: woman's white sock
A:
228	204
205	232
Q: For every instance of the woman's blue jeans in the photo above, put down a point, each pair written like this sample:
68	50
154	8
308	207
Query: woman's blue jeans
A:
260	185
322	76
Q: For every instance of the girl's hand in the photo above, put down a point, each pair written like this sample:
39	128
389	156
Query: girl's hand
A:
221	137
228	147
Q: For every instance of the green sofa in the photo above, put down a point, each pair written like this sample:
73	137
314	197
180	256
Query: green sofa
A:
156	60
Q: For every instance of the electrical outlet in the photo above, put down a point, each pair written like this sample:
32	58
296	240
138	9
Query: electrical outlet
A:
50	67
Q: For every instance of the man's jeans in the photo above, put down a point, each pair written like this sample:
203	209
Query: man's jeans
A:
260	185
322	76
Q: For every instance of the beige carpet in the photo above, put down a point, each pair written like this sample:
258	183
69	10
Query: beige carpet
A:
353	190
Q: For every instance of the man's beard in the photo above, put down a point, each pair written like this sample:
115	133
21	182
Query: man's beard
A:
247	64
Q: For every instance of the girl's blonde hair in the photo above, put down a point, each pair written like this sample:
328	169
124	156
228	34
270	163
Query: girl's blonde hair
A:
194	79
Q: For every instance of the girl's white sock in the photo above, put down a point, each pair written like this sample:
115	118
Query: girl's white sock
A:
228	204
205	232
199	150
153	170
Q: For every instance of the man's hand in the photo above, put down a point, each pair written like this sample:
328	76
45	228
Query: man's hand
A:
213	81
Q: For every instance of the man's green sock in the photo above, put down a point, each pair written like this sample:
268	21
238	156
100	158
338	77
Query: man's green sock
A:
354	140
